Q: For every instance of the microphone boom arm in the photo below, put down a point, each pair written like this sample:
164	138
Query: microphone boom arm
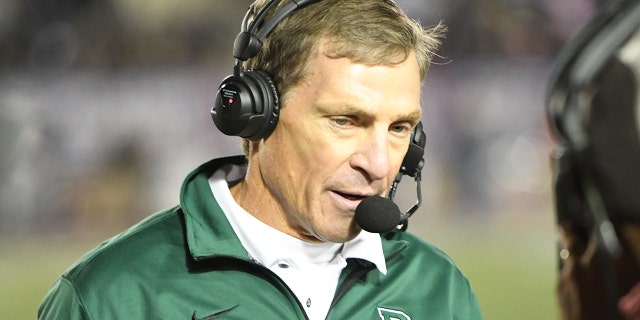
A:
404	220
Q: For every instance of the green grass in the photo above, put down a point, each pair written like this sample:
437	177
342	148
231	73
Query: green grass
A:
28	268
511	268
512	277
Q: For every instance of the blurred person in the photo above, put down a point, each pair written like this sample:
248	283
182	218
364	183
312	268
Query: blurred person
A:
278	232
594	110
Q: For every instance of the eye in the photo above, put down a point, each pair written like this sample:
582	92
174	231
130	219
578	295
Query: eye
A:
342	121
400	129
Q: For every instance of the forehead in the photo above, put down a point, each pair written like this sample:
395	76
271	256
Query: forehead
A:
340	81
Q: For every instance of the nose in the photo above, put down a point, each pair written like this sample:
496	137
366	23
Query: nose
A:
372	158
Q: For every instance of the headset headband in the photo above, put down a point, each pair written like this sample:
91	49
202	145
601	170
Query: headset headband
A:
249	42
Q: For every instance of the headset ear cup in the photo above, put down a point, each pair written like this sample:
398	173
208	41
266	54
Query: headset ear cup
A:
267	108
247	105
233	105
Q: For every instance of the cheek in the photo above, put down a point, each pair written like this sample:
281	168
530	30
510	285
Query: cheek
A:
315	150
291	158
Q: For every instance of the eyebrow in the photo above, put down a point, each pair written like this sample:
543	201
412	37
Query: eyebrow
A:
414	116
349	109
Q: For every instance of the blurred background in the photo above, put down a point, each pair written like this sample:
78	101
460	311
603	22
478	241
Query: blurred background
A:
104	108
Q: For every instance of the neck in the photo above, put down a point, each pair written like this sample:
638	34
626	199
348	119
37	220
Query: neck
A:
253	196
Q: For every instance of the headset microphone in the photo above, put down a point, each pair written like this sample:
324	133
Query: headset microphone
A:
377	214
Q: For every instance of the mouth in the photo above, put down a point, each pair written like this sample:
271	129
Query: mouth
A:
350	196
348	200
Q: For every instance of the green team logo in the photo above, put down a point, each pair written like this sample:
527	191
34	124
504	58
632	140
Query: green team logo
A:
390	314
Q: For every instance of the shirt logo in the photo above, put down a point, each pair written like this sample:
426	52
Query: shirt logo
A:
390	314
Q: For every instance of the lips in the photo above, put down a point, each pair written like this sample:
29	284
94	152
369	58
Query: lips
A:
350	196
348	200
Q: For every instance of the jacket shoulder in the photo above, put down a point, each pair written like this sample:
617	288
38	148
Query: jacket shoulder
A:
152	238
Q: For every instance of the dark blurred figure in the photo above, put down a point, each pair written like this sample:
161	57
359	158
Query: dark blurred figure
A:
593	108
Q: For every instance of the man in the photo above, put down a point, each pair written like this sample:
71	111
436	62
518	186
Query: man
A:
274	237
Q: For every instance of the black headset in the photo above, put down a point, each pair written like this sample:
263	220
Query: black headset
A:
247	103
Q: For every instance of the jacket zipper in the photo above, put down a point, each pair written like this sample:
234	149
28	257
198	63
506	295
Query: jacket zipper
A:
351	278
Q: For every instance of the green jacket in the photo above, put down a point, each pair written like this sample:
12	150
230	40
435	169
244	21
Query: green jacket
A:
187	263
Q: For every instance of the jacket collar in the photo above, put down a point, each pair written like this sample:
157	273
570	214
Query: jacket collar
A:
207	228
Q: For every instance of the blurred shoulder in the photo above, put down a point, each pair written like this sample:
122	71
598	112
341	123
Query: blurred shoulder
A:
138	248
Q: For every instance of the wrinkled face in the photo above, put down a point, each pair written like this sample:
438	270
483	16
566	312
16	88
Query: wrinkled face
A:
341	136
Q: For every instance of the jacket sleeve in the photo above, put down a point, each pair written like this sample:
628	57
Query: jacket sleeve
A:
62	303
472	310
